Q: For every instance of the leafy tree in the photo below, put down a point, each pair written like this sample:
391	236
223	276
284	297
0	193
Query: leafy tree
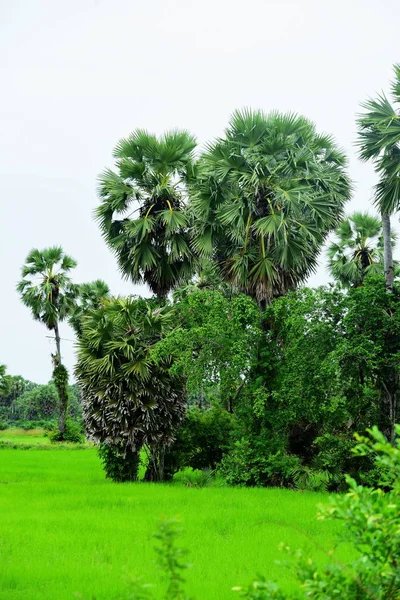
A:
46	288
379	141
214	343
41	403
358	250
369	352
151	183
128	401
267	195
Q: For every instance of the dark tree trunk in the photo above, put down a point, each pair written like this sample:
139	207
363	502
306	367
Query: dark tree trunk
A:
155	468
132	464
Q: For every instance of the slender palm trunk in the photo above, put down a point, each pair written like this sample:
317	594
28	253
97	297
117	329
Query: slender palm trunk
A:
61	386
387	252
58	342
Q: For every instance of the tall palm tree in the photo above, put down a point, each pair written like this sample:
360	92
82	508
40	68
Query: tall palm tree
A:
266	197
142	214
379	141
128	400
358	249
46	288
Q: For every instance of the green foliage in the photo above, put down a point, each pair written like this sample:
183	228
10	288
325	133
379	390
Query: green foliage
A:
329	368
214	341
46	287
201	441
73	433
120	462
266	196
259	460
358	250
40	403
171	559
369	354
153	173
90	297
379	141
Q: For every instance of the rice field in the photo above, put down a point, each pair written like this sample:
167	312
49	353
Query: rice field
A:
66	532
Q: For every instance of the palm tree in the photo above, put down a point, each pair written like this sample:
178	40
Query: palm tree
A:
90	296
266	197
128	400
46	288
142	214
5	382
358	250
379	141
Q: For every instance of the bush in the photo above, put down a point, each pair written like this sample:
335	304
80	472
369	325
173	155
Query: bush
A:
120	463
201	441
259	461
73	433
3	425
198	478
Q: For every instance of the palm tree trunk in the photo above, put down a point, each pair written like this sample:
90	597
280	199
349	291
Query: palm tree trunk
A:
387	252
61	387
58	342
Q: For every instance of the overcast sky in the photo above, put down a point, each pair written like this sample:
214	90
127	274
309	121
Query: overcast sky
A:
77	75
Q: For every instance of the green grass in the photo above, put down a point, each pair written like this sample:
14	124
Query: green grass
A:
22	436
66	532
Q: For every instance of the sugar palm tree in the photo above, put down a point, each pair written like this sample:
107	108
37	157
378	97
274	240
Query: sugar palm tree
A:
379	141
90	296
358	249
46	288
142	214
128	400
266	197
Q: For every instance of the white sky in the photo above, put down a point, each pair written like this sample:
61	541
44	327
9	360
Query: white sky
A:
77	75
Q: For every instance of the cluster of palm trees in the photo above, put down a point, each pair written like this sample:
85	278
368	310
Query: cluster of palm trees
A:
258	205
259	202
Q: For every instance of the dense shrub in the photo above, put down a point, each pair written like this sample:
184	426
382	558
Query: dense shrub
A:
256	461
73	433
119	463
201	441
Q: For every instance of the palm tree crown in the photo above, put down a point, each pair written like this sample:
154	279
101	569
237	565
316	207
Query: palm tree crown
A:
358	249
268	193
141	213
379	141
46	287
